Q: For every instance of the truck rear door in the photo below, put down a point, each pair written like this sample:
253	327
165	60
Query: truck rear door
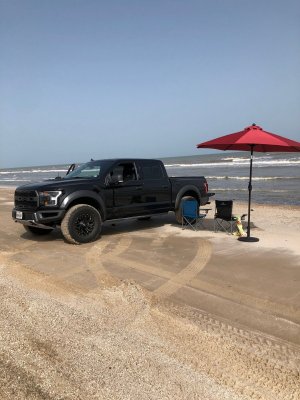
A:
156	191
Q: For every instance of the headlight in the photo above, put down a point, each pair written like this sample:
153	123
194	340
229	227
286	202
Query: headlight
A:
49	198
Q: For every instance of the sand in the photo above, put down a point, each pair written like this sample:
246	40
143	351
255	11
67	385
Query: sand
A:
151	311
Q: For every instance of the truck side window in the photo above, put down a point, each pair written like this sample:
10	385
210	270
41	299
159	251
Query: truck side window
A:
129	173
152	171
123	172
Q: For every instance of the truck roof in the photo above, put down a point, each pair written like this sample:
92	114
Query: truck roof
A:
127	159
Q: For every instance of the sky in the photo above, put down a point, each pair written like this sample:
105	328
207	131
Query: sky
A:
142	78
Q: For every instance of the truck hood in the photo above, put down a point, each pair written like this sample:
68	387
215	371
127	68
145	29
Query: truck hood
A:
57	184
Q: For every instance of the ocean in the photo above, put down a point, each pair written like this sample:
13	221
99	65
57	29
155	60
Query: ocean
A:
276	176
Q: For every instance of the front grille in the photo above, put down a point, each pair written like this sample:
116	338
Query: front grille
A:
26	199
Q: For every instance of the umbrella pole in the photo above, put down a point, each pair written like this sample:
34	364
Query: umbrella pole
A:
249	238
250	192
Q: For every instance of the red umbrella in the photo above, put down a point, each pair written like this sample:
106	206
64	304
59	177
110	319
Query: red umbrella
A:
252	138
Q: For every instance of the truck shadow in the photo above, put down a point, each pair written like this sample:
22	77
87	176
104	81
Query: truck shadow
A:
113	227
51	236
130	225
136	224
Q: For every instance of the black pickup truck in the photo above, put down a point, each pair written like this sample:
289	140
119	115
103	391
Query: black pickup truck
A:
103	190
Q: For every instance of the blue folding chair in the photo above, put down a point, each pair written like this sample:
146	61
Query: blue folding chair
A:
190	215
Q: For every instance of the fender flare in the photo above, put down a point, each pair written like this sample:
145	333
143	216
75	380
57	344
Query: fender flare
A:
182	192
85	194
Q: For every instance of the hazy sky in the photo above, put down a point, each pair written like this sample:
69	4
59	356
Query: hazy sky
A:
142	78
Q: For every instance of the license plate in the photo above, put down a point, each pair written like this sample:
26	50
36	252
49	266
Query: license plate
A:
19	215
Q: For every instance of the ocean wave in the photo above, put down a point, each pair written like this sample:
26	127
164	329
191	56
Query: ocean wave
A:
14	180
235	159
32	171
246	190
229	190
256	178
276	162
239	162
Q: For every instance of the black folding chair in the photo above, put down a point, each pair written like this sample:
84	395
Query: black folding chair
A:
224	220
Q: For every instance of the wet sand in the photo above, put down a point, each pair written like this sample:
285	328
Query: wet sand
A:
151	311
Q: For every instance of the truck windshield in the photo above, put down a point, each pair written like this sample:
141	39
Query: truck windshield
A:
88	170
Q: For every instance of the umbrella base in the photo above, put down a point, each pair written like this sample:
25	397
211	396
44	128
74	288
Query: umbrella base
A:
248	239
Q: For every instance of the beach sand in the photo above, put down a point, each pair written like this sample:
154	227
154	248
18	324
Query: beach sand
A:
151	311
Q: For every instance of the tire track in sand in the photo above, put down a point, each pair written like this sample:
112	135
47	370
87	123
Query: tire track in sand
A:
116	256
96	255
188	273
258	365
95	259
261	343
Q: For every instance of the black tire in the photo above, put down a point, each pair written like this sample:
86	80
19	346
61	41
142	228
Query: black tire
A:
81	224
37	231
178	213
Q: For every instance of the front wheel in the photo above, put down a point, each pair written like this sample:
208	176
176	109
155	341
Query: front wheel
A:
81	224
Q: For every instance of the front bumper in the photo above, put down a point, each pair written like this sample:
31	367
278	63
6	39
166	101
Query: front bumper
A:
45	219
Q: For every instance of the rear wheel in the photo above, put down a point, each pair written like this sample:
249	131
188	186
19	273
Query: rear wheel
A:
178	212
81	224
37	231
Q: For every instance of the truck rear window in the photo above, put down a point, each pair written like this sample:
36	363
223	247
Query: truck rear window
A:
153	171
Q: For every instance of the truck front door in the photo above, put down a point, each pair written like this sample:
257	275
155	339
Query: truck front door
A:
127	189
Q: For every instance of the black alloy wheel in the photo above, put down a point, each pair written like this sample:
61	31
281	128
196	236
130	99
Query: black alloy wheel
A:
84	224
81	224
